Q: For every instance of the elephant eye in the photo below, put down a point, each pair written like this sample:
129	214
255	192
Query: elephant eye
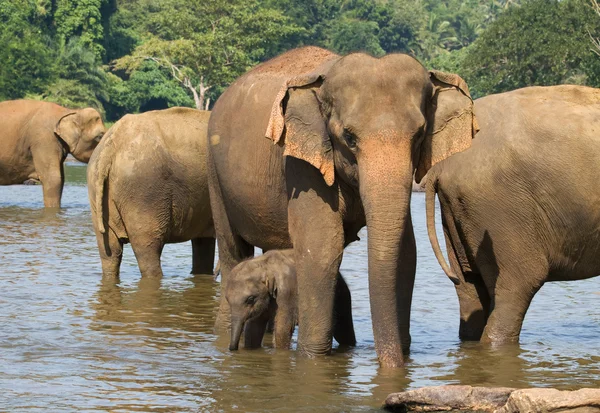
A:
350	139
251	299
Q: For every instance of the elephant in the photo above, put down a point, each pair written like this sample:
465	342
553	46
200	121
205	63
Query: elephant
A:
520	206
265	288
37	138
147	184
344	137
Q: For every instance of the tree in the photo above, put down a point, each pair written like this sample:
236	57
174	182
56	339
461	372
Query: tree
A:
206	45
80	81
80	18
148	88
351	35
542	42
26	52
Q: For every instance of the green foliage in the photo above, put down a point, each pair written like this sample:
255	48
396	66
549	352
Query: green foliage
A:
351	34
122	31
80	18
80	82
212	43
148	88
25	55
543	42
124	56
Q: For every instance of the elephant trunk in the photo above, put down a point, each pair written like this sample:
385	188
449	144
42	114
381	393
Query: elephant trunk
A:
385	189
237	327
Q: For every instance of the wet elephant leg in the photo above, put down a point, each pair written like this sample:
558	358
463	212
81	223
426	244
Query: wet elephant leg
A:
50	169
473	299
474	304
111	253
343	331
513	291
203	255
147	253
232	250
317	233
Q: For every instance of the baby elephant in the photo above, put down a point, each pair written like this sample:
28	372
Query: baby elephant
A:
264	288
147	185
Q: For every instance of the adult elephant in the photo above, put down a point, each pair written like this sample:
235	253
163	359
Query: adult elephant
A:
349	133
520	207
148	185
36	138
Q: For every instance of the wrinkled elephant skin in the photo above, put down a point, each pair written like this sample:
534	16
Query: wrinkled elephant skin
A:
520	206
148	185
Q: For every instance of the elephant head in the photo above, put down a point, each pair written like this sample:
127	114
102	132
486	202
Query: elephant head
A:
372	123
81	130
253	284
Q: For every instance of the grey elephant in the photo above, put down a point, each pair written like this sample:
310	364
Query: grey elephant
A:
520	207
265	288
37	137
345	135
147	185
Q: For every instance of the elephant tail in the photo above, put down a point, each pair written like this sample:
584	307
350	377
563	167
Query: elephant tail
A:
103	168
431	190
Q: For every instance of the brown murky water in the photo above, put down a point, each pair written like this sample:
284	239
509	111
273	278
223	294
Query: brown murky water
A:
69	342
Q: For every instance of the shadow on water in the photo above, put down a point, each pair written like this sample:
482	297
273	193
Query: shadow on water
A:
74	341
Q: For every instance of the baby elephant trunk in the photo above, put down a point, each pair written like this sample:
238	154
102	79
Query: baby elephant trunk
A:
237	326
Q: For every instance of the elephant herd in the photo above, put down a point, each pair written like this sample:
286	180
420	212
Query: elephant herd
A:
304	150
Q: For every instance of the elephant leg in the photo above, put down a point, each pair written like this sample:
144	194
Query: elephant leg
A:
317	233
147	254
473	299
203	255
254	330
232	248
284	314
474	303
51	172
343	331
513	291
111	253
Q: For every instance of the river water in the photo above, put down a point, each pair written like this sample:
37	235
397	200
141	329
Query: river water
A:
71	342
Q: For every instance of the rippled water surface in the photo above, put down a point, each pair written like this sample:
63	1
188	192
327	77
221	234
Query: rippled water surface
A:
71	342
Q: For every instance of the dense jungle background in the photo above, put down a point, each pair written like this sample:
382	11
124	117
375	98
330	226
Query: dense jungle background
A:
124	56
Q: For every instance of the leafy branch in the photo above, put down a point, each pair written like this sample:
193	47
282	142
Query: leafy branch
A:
198	91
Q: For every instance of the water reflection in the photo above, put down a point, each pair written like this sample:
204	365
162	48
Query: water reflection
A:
75	341
479	365
159	313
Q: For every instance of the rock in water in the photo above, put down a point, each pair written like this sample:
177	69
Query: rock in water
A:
447	398
552	400
496	400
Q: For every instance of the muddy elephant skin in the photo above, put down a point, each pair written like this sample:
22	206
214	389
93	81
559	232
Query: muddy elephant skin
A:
147	185
520	207
37	137
344	137
265	288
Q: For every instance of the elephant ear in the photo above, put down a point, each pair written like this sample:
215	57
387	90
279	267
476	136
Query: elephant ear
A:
67	128
451	124
298	124
280	274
